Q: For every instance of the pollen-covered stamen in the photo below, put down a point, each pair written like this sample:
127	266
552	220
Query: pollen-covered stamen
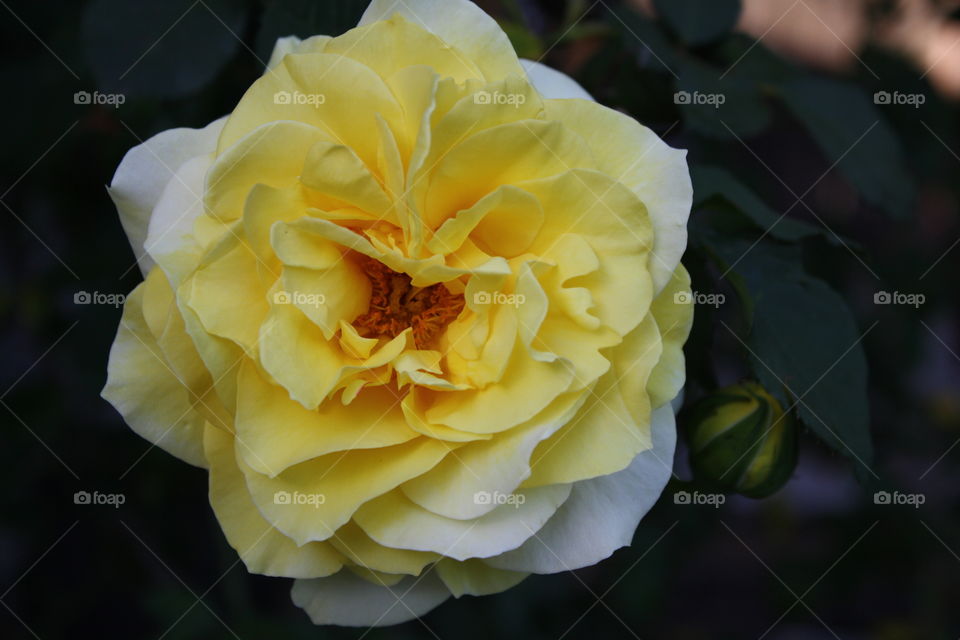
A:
395	305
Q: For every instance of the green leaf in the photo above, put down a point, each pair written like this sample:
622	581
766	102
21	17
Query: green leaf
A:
713	186
645	40
851	131
697	22
720	108
805	345
160	48
305	18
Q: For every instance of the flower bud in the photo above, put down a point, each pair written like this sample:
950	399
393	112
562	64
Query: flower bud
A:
741	440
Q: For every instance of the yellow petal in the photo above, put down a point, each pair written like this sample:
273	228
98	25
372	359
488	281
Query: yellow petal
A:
335	170
228	295
358	547
395	521
476	577
143	388
459	24
526	388
614	222
272	154
494	466
275	432
262	548
392	44
613	425
502	223
674	318
506	154
313	499
637	157
336	94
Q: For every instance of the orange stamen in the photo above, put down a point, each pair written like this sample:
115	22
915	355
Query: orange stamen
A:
395	305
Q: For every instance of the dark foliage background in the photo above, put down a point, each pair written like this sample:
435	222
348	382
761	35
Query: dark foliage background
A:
870	193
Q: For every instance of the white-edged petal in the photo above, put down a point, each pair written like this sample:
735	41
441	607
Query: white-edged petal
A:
552	83
602	513
144	172
170	240
347	600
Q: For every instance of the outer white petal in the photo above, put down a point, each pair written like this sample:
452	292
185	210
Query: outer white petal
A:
552	83
170	241
350	601
282	47
145	171
461	24
602	513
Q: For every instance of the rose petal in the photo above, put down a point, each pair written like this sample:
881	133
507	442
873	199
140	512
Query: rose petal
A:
144	173
602	513
350	601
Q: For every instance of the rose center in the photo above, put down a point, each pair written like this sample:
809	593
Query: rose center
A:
395	305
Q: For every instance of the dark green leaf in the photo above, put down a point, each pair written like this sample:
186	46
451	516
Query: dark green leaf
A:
645	40
852	132
161	48
805	345
699	21
719	108
713	184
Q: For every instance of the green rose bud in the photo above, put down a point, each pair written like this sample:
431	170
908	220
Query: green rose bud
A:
741	440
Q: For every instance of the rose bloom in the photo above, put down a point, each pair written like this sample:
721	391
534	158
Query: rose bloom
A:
417	307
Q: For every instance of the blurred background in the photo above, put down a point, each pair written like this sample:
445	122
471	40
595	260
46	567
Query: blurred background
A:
823	136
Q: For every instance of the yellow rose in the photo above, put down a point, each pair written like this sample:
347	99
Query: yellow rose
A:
413	305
